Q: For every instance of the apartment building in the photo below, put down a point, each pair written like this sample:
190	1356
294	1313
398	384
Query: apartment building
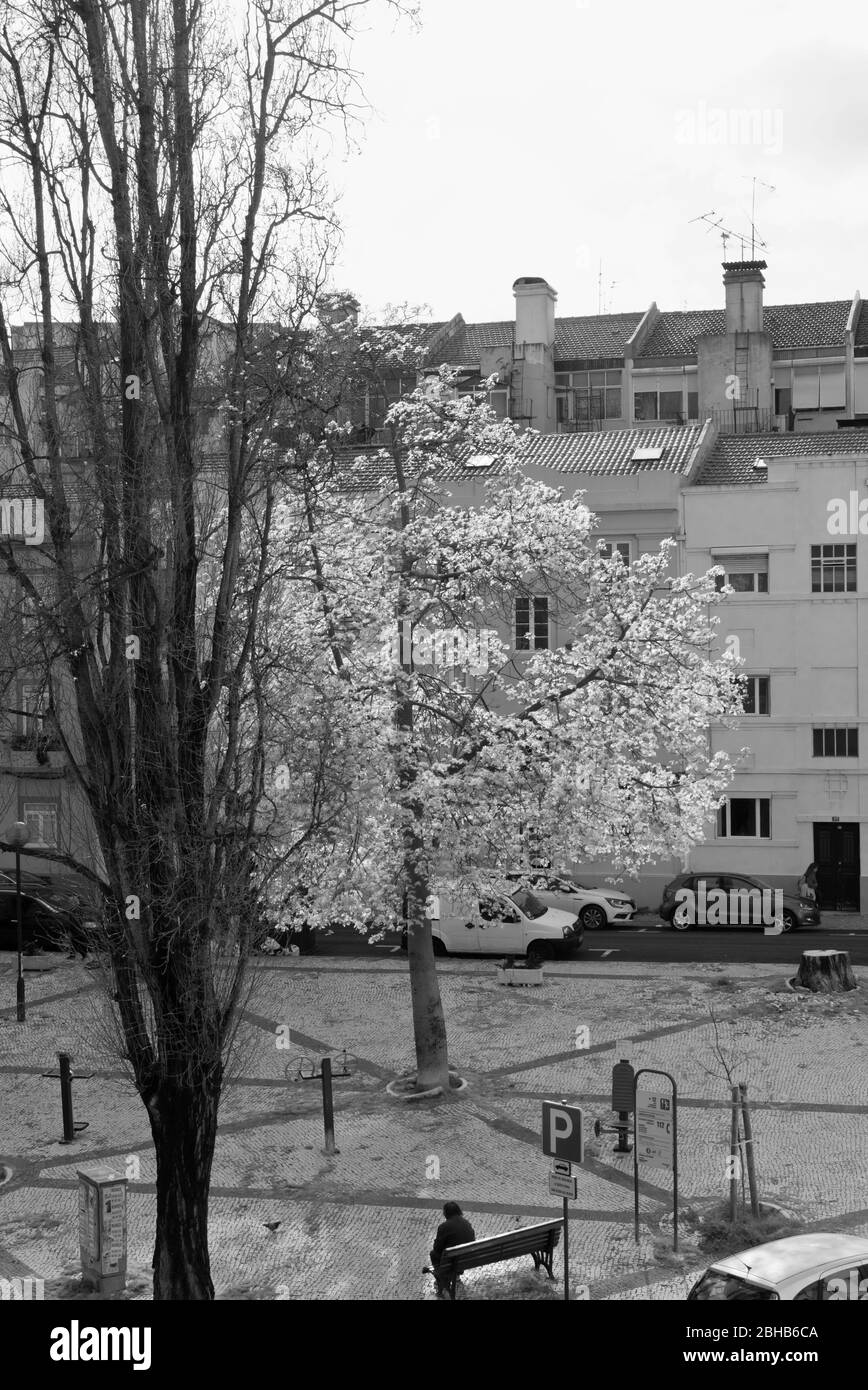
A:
782	515
791	368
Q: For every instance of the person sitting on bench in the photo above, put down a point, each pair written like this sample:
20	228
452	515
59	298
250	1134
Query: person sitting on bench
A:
455	1230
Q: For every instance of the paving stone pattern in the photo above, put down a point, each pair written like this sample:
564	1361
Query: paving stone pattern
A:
358	1224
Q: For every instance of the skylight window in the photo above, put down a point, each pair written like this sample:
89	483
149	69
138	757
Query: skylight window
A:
647	455
480	461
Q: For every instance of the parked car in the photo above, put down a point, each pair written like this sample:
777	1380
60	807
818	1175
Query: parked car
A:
501	924
60	892
820	1267
704	899
43	923
595	907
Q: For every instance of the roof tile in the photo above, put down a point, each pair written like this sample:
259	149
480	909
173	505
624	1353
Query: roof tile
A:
731	460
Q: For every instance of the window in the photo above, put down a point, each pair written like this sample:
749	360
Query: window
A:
833	569
622	550
663	405
818	387
693	405
845	1285
756	700
746	574
41	819
645	405
588	395
745	816
498	402
532	623
720	1287
34	706
836	742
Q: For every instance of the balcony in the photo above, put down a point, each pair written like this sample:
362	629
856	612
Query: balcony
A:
747	419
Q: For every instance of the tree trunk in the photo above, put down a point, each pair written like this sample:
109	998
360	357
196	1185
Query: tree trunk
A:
429	1024
184	1126
826	972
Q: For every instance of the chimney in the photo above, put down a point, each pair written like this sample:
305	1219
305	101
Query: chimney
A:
534	310
744	284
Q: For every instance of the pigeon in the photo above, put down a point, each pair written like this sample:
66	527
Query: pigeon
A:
272	1225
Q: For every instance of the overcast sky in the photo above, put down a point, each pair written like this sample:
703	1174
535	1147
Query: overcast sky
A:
514	138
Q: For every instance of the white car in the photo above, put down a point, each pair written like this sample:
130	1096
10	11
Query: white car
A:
500	924
595	907
820	1267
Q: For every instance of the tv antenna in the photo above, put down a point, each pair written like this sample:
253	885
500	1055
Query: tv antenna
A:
726	232
753	231
604	292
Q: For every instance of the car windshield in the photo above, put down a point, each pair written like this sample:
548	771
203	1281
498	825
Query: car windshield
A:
528	903
719	1286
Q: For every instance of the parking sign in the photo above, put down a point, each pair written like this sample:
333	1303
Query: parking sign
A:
562	1131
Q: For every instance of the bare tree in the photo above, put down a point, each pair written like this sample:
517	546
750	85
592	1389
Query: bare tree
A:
167	229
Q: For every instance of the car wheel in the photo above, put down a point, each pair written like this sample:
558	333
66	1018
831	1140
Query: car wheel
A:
439	948
790	922
680	923
592	917
541	949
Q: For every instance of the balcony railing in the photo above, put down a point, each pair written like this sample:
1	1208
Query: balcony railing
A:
747	419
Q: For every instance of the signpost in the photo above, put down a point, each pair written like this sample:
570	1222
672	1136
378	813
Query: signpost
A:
562	1140
655	1138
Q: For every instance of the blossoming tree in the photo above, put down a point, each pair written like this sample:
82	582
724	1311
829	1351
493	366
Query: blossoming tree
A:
466	755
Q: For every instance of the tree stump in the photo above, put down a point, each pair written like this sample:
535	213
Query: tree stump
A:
826	972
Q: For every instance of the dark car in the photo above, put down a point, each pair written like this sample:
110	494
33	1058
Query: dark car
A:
732	900
43	924
63	893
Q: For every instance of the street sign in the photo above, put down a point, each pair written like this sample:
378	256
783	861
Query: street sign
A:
562	1168
654	1140
562	1131
562	1187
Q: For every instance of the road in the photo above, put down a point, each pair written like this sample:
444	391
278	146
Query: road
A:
655	943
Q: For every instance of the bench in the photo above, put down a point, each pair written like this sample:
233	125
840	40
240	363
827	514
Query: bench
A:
538	1241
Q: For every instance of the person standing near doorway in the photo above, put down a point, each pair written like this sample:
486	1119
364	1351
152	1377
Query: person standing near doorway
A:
809	883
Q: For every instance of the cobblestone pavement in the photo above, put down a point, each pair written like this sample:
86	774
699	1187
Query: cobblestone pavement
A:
358	1224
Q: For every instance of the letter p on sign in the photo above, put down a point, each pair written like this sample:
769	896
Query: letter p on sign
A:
562	1131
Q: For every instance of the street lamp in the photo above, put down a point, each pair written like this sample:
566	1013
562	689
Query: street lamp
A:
18	836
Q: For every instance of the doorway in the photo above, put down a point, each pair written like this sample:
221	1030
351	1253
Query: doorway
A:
836	854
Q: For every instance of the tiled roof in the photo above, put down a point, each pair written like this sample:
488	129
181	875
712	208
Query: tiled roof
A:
675	334
611	451
862	325
465	347
593	335
731	460
598	452
790	326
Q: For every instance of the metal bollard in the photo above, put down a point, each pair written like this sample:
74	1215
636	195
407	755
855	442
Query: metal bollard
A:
328	1109
70	1128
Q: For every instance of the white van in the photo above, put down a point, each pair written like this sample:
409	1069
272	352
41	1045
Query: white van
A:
500	924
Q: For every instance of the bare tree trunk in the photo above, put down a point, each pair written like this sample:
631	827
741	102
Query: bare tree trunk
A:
184	1125
826	972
